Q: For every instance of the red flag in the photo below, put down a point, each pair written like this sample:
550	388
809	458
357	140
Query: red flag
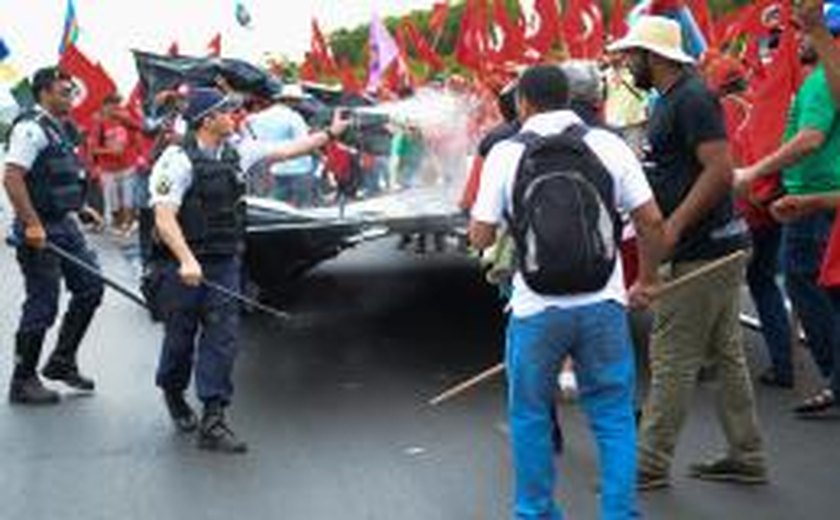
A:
513	44
321	51
549	28
618	23
437	19
700	10
349	81
583	28
95	84
766	122
308	71
472	41
214	47
424	51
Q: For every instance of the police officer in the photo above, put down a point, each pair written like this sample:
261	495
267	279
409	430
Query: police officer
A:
45	183
197	193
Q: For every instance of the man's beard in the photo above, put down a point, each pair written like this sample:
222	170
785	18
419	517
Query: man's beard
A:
808	56
642	74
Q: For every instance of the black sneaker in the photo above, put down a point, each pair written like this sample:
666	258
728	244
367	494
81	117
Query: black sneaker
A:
215	435
730	470
31	391
68	375
180	411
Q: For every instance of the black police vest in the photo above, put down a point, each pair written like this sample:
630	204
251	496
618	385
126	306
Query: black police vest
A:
56	181
212	213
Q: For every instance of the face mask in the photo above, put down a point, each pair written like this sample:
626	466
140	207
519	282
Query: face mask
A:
641	71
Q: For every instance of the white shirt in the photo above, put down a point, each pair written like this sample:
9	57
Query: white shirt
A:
171	175
495	197
26	142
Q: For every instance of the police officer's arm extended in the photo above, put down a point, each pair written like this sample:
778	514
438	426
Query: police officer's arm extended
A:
310	143
15	185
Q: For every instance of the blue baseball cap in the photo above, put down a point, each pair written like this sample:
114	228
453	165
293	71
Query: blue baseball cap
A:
204	101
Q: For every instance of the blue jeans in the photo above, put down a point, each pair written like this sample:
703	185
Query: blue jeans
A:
768	298
834	295
201	324
598	340
296	189
803	246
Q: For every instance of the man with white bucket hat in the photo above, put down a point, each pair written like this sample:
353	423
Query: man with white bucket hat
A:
690	170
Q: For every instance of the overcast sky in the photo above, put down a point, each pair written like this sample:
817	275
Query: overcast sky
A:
110	28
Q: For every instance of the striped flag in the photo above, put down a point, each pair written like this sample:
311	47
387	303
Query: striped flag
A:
383	52
71	28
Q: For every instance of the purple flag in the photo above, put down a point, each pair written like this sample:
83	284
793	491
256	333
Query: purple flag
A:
383	52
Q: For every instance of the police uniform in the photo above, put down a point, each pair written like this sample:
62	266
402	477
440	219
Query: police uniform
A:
207	187
55	180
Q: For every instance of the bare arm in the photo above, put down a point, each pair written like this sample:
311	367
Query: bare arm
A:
166	223
651	240
310	143
714	182
803	144
15	184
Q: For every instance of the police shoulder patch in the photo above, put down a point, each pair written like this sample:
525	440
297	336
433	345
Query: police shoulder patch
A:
163	186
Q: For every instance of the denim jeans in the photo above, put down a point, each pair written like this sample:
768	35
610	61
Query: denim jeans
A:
803	246
768	298
598	340
834	295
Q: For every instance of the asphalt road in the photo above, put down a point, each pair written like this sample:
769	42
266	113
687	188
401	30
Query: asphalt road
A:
333	405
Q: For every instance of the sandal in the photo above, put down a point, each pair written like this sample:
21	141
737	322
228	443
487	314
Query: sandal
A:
818	403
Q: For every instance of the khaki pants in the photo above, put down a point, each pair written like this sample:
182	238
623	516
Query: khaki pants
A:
698	325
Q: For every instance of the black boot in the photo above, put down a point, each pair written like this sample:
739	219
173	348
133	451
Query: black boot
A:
180	411
62	364
25	387
215	435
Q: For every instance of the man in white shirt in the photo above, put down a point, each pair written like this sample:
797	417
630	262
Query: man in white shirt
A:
589	327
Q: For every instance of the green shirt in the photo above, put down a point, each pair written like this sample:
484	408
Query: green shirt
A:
814	108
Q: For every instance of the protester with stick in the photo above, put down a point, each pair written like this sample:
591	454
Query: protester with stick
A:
196	190
691	175
45	183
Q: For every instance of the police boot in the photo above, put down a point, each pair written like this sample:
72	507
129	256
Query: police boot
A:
62	364
215	435
25	387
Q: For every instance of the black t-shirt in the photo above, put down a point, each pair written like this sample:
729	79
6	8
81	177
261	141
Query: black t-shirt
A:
685	117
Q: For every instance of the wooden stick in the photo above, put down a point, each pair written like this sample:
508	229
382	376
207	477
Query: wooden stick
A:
671	286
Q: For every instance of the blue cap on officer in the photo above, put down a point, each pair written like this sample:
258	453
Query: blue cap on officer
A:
204	101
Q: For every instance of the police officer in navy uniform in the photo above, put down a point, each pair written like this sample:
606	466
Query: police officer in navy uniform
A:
197	189
45	183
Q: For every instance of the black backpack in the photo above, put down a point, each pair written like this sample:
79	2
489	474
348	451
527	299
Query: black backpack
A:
564	223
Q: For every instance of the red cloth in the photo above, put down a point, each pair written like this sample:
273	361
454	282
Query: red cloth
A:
338	162
96	85
115	135
470	192
550	27
830	272
629	261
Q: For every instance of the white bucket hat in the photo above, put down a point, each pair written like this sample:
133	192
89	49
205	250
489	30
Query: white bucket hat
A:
657	34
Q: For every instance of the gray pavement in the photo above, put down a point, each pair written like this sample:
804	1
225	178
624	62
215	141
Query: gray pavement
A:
333	406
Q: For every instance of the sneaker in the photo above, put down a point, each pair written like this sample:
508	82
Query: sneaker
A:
649	480
31	391
68	375
180	411
214	434
730	470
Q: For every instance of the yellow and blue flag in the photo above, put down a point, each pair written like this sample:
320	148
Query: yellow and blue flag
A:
71	28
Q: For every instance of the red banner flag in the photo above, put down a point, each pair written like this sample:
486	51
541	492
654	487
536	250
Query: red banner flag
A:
214	47
424	51
618	22
94	82
437	19
550	26
513	36
321	51
583	27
